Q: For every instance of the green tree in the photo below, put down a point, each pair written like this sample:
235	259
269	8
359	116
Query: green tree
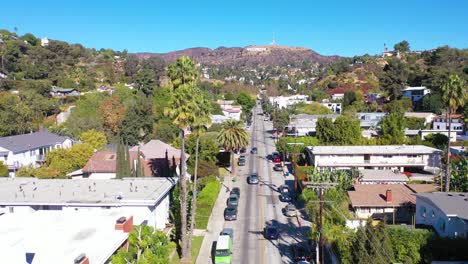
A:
96	139
138	122
325	130
146	246
280	119
347	131
145	81
352	96
182	71
3	170
393	129
123	168
402	46
394	78
232	137
68	160
455	95
459	175
414	122
437	140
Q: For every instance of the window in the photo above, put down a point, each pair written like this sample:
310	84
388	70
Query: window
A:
432	213
11	209
387	156
422	211
412	156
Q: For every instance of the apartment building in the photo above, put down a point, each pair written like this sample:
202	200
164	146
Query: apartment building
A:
441	122
389	157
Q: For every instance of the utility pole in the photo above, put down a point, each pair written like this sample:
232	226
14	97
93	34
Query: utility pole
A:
320	186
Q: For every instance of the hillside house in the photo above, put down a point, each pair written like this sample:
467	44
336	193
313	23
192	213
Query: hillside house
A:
29	149
64	92
304	124
441	122
416	94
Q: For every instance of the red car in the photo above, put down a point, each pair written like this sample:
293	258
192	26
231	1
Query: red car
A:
276	157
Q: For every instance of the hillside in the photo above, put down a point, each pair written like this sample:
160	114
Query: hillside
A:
248	56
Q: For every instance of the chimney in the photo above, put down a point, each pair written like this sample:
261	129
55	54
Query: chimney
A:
388	196
81	259
124	224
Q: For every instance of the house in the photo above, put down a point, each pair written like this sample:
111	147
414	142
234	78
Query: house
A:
89	236
428	117
64	92
416	94
393	202
29	149
218	119
423	133
368	120
446	213
230	110
391	53
386	157
106	89
44	42
335	107
382	177
304	124
458	150
288	101
102	165
158	158
441	122
146	199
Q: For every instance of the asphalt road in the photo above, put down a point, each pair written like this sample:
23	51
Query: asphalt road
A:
260	205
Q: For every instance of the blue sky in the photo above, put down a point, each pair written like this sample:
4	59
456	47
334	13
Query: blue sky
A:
329	27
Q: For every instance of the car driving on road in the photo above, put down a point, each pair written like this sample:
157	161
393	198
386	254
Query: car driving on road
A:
285	193
271	232
290	210
230	213
276	157
253	178
254	150
278	167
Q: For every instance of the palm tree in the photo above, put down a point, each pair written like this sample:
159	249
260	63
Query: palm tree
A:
199	127
233	136
182	71
454	96
183	114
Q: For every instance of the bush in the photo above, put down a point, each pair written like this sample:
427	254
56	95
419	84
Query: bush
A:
205	202
207	168
3	170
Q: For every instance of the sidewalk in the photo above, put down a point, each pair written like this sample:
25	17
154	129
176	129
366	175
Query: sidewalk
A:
215	223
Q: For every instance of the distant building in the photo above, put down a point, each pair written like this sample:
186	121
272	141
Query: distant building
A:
458	150
389	157
423	133
64	92
102	165
391	53
44	42
441	122
368	120
287	101
446	213
106	89
416	94
230	110
335	107
29	149
304	124
428	117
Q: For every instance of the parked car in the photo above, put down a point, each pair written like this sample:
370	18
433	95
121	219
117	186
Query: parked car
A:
276	157
243	150
241	161
227	232
301	253
278	167
290	210
235	191
253	178
271	232
230	213
254	150
285	193
233	200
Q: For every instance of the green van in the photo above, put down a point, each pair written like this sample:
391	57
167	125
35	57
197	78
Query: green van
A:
223	250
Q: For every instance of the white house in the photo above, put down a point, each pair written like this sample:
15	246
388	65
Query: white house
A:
287	101
44	42
229	110
372	119
304	124
146	199
447	213
416	93
29	149
442	123
335	107
428	117
389	157
423	133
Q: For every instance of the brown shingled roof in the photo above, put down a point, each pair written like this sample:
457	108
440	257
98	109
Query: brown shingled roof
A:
101	162
374	195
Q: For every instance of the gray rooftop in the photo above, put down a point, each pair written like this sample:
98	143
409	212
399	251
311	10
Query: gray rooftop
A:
452	204
382	175
127	191
25	142
384	149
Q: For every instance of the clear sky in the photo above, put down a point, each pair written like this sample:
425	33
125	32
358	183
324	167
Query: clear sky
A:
347	28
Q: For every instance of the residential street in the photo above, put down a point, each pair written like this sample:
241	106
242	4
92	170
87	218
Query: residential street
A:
259	205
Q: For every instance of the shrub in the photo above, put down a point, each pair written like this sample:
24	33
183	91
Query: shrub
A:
205	202
3	170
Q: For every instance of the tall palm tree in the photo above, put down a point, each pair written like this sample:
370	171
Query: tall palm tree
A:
454	95
198	128
233	136
182	71
183	114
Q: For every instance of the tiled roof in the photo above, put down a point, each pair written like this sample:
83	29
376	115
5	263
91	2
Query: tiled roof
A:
25	142
101	162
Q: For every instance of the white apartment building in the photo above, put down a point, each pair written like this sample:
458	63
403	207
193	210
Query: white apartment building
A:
29	149
442	123
146	199
287	101
230	111
389	157
416	94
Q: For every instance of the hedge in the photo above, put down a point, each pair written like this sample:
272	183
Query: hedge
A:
205	202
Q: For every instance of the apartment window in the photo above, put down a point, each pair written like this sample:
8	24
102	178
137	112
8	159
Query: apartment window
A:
387	156
438	127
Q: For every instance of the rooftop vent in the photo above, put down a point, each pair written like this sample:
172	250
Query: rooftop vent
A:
80	258
121	220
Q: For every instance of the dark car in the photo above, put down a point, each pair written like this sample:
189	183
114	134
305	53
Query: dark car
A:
253	178
276	157
285	193
241	161
227	232
230	213
271	232
301	253
243	150
278	167
235	191
254	150
233	200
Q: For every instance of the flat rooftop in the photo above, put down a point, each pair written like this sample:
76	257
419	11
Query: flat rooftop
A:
60	237
382	175
80	192
385	149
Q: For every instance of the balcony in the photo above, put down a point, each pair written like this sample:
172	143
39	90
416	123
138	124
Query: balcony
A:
364	163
